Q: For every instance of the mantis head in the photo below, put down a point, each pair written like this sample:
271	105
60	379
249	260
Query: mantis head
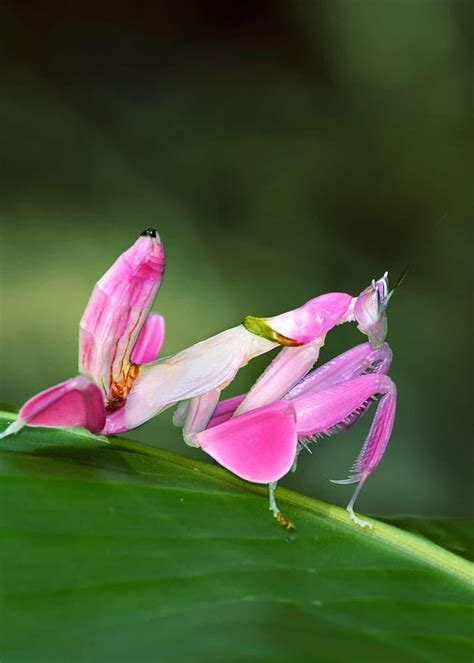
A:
370	310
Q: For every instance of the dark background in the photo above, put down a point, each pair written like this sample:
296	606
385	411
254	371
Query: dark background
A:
283	149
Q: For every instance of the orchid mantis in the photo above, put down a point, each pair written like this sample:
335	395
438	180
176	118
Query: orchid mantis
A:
258	435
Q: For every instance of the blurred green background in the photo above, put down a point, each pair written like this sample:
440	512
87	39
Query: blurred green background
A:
283	150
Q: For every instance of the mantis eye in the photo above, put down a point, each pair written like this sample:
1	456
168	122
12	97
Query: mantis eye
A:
379	301
381	292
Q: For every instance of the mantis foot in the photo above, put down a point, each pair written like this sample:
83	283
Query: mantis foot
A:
280	517
359	521
283	521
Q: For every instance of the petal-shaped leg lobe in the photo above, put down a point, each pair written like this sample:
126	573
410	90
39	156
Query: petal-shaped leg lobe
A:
323	411
258	446
76	402
150	340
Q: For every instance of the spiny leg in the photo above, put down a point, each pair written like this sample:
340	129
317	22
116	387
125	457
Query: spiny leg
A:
362	359
325	411
374	446
76	402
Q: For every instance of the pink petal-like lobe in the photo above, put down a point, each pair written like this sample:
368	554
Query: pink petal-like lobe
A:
150	340
76	402
258	446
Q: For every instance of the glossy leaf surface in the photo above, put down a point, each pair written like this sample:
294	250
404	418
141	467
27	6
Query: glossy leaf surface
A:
113	554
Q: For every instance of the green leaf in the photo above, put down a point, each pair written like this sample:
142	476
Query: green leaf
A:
133	554
454	534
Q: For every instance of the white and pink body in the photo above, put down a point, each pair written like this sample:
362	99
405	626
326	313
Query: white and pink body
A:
258	435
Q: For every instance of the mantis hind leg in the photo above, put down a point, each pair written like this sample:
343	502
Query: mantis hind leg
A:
335	396
375	444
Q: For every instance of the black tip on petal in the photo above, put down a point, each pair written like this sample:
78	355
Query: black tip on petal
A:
149	232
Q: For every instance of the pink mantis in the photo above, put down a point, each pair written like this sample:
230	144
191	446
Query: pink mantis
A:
258	435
